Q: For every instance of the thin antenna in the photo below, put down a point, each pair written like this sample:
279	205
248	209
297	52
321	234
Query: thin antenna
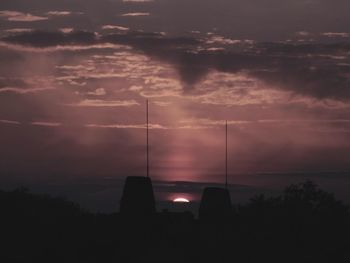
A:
226	156
147	150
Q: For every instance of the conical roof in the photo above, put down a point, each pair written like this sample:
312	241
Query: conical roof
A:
138	196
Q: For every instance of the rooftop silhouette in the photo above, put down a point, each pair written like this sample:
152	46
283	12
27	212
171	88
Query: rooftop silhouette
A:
215	203
138	196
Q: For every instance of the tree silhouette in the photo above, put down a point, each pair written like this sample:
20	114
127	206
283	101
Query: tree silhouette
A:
302	224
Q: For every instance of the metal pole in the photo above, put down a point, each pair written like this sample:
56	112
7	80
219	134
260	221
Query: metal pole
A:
226	157
147	138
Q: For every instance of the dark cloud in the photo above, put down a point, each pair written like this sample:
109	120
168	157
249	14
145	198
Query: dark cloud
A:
47	39
150	41
8	82
312	69
308	69
254	19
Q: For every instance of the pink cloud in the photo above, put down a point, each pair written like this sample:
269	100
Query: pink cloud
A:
46	124
20	17
10	122
105	103
137	14
111	27
24	91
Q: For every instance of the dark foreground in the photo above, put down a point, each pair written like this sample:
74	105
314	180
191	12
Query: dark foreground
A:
304	224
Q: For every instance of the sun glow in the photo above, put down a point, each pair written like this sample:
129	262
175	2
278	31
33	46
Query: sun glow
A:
181	200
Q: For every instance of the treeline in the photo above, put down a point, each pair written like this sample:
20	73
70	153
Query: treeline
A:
303	224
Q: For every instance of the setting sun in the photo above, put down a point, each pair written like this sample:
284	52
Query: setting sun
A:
181	200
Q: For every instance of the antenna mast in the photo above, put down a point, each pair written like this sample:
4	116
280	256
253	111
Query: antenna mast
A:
226	156
147	143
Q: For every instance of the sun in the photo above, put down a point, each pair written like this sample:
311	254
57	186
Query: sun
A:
181	200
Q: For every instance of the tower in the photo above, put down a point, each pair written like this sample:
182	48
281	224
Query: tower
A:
138	196
216	201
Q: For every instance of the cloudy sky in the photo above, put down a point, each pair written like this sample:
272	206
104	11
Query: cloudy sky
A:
75	75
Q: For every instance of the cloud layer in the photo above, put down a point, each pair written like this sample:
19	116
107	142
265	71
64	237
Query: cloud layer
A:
75	76
303	68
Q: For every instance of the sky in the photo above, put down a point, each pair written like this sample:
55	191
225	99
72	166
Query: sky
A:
75	76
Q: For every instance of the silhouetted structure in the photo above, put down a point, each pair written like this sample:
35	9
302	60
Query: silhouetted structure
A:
138	197
303	224
215	204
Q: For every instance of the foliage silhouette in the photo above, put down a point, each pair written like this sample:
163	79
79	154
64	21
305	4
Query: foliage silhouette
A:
303	224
